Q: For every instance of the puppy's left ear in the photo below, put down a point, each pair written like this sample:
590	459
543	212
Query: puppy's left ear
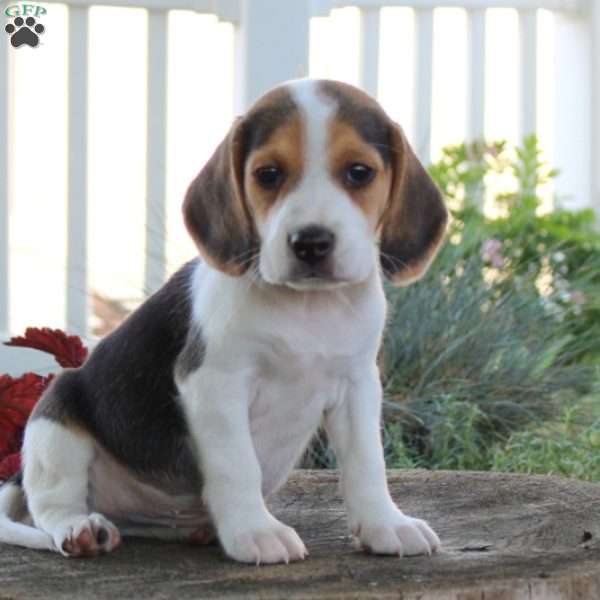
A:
215	211
414	221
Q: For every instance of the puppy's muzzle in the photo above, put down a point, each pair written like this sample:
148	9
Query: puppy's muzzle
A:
312	244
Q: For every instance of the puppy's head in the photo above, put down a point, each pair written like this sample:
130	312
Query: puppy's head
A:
315	187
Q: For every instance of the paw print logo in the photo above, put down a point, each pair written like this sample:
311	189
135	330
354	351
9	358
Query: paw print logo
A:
24	31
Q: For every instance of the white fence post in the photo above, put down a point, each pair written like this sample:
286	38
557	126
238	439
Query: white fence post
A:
369	50
476	91
594	20
476	104
271	46
77	241
423	83
528	61
4	213
573	129
155	267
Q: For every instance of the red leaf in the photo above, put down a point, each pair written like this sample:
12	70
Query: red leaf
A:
10	465
68	350
18	396
17	399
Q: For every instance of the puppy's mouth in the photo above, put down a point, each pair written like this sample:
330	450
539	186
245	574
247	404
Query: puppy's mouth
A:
314	280
306	278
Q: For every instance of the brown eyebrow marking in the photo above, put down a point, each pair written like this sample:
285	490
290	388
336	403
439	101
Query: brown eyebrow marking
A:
362	113
270	113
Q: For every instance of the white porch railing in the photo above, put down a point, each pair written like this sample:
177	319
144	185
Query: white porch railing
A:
272	44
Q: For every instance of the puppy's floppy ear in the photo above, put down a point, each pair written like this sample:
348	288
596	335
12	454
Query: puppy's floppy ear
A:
215	212
414	221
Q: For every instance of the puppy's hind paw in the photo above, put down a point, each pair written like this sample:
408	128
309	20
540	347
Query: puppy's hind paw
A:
87	537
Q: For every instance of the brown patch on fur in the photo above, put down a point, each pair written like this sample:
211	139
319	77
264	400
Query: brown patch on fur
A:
51	405
284	150
347	147
216	212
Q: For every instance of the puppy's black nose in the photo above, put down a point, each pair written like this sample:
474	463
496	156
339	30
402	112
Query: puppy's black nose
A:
312	243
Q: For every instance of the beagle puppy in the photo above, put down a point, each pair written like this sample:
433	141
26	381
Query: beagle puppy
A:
187	416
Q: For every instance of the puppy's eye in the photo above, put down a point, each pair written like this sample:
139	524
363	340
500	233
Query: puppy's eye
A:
359	175
269	178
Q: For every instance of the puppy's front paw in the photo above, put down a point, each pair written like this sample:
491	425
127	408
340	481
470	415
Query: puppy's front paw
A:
267	540
397	534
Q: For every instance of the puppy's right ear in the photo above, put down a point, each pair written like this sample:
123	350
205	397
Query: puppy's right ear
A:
215	212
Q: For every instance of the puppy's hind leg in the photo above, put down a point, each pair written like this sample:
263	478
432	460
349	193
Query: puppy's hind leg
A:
12	511
57	458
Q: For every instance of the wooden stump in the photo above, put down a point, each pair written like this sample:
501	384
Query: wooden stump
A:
505	537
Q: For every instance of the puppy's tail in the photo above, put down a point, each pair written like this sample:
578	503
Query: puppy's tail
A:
12	503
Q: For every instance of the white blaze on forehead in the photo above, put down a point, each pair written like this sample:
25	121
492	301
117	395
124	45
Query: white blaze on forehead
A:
317	111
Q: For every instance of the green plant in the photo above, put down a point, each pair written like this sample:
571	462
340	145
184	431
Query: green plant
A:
497	336
565	447
557	253
467	361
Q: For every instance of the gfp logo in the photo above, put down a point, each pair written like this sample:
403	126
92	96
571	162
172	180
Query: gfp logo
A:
24	28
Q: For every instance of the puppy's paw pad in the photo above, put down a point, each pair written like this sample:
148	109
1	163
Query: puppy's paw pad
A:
400	535
88	537
276	543
203	536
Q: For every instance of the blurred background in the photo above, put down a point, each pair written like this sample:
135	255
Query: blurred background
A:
491	360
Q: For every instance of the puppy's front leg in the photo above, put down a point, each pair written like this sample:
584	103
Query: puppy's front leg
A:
217	408
375	520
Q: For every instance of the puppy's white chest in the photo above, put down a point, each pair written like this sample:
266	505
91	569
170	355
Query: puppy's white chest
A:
303	369
285	413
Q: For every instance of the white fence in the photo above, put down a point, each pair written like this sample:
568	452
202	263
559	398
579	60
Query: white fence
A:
271	45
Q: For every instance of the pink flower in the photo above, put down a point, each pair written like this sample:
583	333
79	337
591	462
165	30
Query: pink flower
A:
491	252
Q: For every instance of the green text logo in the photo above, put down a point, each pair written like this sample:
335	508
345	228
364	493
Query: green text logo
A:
23	10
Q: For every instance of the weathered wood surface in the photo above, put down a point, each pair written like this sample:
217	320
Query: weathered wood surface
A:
505	537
